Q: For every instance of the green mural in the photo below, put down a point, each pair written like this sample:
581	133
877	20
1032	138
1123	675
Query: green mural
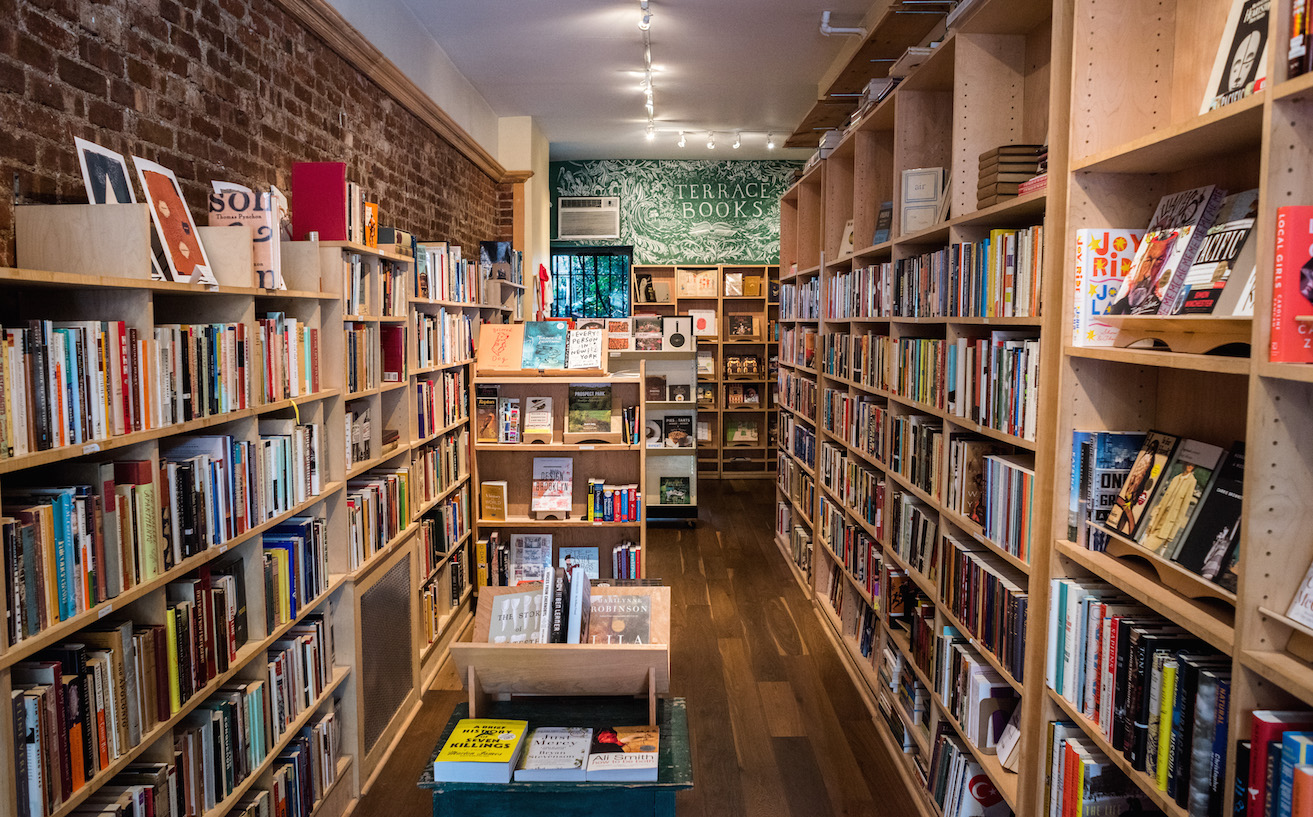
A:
682	211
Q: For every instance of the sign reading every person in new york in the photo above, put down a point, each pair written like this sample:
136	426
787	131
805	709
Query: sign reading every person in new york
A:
677	211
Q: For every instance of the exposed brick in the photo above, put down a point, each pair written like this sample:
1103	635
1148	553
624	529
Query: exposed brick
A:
82	77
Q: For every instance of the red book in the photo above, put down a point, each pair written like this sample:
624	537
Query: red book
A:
393	341
1292	340
319	195
1269	725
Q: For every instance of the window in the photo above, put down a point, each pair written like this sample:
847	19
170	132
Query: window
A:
591	282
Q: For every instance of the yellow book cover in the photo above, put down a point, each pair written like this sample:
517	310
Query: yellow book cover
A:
171	638
1166	713
282	580
483	740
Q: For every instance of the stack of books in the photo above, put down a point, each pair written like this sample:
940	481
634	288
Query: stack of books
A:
1004	169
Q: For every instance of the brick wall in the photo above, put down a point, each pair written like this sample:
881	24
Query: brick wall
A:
234	90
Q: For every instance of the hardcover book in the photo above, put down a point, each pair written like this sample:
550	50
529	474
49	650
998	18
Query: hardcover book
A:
1209	545
624	753
555	753
1170	244
621	615
1292	286
553	483
1103	258
544	345
589	410
1226	257
492	500
584	349
538	416
585	557
678	393
884	221
655	387
531	557
678	431
1240	68
704	322
516	617
481	751
1180	487
674	490
656	434
1127	512
501	347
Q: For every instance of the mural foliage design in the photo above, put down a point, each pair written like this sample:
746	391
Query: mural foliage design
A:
681	211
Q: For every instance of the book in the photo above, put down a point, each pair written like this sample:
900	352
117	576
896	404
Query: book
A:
553	485
704	323
1268	726
544	345
585	557
1240	67
1103	258
655	435
584	348
674	491
1301	606
555	753
679	393
1100	463
1292	286
1170	244
655	387
1180	486
1127	512
508	420
884	220
624	753
501	347
1227	257
677	333
621	616
181	246
538	417
589	410
492	500
1210	544
1296	750
530	556
579	602
516	617
706	362
678	431
481	750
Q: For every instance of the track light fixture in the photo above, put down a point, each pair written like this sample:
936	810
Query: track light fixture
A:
711	140
770	141
681	139
651	132
644	15
738	140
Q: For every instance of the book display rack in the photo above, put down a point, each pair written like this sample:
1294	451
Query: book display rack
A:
893	542
231	509
671	464
737	408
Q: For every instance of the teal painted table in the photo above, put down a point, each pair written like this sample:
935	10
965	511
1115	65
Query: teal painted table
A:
674	764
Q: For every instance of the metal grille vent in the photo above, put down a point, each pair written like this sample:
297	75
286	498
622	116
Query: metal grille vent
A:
386	649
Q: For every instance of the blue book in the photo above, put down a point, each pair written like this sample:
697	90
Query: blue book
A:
544	345
293	549
1296	750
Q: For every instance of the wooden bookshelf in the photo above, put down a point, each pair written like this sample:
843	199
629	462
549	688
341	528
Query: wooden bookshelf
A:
718	457
1120	107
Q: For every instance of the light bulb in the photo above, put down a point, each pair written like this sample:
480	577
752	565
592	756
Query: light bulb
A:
711	140
681	139
738	140
651	133
770	141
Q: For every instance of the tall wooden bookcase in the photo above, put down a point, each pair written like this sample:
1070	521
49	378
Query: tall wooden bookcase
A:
374	601
1117	88
719	457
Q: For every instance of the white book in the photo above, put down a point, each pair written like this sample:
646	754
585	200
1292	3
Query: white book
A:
555	753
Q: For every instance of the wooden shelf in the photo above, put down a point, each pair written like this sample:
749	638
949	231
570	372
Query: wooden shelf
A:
1007	783
546	447
518	522
1165	360
1286	671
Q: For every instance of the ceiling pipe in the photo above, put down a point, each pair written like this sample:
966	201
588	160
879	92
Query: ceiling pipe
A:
829	30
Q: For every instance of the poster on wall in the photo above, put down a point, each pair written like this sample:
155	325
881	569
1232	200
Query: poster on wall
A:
675	211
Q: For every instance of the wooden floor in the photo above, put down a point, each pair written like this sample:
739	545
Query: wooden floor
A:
776	724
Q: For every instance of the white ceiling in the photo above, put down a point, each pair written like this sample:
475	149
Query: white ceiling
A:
575	65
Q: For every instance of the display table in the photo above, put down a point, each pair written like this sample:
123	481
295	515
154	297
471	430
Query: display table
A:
674	772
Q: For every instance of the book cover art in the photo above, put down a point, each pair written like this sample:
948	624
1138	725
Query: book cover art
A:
585	557
531	556
1103	258
181	244
674	490
624	753
655	387
555	753
479	741
495	259
678	431
678	393
500	347
584	350
1240	67
233	204
1170	244
553	483
1104	464
1128	506
742	430
538	415
704	322
655	436
1292	286
516	617
589	410
1226	256
622	618
1212	540
1180	487
492	500
544	345
706	362
647	323
742	326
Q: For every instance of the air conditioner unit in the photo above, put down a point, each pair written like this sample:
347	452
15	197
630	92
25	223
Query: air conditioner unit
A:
587	217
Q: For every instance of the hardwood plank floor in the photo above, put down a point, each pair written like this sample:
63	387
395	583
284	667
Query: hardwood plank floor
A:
776	725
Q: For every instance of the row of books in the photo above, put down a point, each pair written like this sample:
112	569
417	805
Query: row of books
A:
442	274
69	383
443	528
497	751
444	337
859	421
359	433
393	276
797	346
441	401
988	598
504	420
290	356
1156	694
362	356
295	561
614	502
355	285
798	394
860	488
442	463
902	699
956	781
442	593
795	483
972	692
865	359
914	533
378	509
1175	497
800	301
856	617
800	438
851	545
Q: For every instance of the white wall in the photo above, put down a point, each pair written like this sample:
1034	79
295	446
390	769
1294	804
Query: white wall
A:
522	146
395	31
